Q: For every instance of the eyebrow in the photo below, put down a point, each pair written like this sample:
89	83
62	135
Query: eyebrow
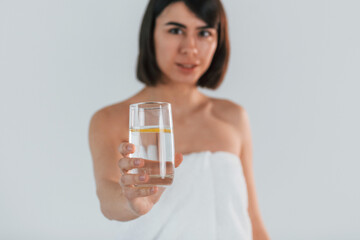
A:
183	26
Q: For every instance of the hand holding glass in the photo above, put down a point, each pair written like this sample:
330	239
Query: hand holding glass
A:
151	131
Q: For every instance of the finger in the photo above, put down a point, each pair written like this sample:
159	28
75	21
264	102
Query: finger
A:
150	167
132	193
126	164
178	159
131	179
126	148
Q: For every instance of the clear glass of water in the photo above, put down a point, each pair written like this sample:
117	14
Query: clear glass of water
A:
151	131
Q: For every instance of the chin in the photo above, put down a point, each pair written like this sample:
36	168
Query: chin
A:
183	80
189	82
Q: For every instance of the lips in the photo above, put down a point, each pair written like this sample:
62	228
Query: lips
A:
187	65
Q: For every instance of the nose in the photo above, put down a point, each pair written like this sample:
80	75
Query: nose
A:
189	46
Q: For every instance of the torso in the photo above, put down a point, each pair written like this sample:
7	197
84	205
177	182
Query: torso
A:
211	128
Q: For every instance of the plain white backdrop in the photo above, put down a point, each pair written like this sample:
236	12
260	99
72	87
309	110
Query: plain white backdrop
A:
294	67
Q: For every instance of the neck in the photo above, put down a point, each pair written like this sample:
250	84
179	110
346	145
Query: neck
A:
183	98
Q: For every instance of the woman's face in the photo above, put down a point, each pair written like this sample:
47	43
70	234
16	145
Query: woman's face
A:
184	44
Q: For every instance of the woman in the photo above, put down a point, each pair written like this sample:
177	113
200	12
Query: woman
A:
183	45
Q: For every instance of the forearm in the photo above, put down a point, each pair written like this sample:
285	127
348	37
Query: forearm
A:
258	229
114	205
258	226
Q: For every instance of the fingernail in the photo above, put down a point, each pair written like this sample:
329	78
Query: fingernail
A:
142	178
129	147
152	190
137	162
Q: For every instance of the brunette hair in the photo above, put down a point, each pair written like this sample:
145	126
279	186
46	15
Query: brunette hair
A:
211	12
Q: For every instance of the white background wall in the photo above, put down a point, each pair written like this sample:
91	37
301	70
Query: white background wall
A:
294	67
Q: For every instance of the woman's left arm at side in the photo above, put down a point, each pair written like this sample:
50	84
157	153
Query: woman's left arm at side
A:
259	231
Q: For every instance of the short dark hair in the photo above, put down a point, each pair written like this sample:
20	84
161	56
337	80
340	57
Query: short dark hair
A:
211	12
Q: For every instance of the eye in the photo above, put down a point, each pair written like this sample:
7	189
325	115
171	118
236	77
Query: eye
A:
205	33
175	31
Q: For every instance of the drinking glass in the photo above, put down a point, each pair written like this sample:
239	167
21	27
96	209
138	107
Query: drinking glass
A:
151	131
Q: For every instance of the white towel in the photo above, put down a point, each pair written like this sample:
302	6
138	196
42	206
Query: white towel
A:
207	200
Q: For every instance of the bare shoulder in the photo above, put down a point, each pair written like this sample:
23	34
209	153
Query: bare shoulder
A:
110	112
229	111
111	120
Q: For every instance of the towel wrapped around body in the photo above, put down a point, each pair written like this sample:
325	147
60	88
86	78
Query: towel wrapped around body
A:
207	200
